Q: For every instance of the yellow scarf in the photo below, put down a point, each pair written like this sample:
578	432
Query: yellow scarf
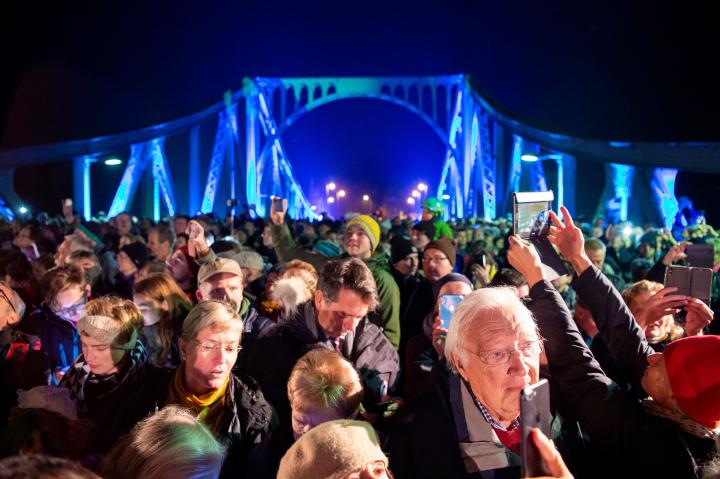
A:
208	407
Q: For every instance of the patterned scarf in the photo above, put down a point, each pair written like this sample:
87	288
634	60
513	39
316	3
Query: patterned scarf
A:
686	424
208	408
79	378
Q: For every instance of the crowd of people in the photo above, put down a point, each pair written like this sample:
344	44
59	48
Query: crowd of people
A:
201	347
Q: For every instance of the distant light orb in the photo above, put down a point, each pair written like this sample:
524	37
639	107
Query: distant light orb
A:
445	197
415	194
410	200
313	207
341	193
22	210
113	161
366	198
331	186
331	199
422	187
529	157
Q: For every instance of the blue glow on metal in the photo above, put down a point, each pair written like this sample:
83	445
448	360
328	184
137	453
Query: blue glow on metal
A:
487	169
622	177
87	207
663	186
516	165
223	135
620	144
161	175
139	158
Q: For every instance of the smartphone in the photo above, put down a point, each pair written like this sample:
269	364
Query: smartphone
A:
534	413
690	281
448	305
531	213
277	203
700	255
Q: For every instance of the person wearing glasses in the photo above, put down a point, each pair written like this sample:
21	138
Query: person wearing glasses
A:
232	407
22	364
65	293
472	412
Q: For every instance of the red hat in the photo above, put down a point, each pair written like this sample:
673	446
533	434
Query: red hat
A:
693	366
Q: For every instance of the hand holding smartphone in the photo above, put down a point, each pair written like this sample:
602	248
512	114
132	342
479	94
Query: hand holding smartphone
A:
534	413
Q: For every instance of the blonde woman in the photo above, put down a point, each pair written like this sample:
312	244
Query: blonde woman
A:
163	306
232	408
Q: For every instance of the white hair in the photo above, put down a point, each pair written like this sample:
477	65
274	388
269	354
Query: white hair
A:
482	315
17	301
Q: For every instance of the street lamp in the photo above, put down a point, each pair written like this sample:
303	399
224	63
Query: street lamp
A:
366	198
558	159
410	200
415	194
330	200
422	187
330	186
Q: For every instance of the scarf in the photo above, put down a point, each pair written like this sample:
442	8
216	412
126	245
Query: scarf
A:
208	408
685	423
86	387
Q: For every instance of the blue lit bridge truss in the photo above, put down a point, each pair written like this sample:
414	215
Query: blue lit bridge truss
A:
255	166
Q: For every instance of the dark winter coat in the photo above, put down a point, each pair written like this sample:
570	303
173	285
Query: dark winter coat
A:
58	338
626	441
246	425
273	356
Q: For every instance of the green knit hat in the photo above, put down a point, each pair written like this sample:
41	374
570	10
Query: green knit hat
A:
369	227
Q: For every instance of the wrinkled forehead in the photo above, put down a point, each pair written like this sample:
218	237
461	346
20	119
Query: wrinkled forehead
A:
227	332
499	329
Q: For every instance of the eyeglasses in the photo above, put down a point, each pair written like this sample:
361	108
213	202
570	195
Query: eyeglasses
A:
434	259
499	357
209	347
73	310
5	297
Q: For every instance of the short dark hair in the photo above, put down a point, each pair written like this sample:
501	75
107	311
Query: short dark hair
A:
43	466
165	233
508	277
351	273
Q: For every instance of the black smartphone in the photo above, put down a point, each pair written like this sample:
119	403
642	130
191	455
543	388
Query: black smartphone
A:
700	255
277	203
690	281
534	413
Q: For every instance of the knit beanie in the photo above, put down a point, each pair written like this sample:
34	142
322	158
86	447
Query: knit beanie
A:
693	366
425	227
369	227
445	245
400	247
137	252
332	450
107	330
328	248
449	278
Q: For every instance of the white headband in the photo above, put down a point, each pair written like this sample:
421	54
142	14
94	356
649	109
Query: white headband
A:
105	330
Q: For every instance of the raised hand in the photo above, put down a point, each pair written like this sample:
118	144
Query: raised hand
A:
197	244
569	239
278	216
675	253
660	304
523	256
698	316
550	456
